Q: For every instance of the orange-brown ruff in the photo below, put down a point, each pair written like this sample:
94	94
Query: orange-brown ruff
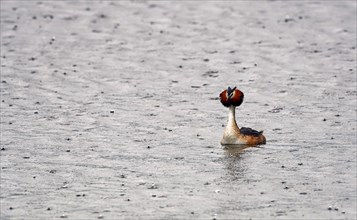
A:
232	98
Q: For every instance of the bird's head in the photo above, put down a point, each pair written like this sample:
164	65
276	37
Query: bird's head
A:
231	96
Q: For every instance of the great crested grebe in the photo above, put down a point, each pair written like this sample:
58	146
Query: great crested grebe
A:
232	98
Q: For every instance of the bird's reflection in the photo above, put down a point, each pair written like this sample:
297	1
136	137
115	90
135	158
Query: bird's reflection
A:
235	164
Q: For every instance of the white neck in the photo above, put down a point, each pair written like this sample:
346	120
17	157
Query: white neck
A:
232	124
231	133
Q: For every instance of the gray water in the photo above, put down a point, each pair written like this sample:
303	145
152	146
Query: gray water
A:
110	109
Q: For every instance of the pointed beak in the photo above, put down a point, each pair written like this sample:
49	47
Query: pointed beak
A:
230	92
230	95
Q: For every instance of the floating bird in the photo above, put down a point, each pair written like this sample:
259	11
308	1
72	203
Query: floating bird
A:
231	98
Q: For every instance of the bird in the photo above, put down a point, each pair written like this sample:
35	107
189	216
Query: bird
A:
233	135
